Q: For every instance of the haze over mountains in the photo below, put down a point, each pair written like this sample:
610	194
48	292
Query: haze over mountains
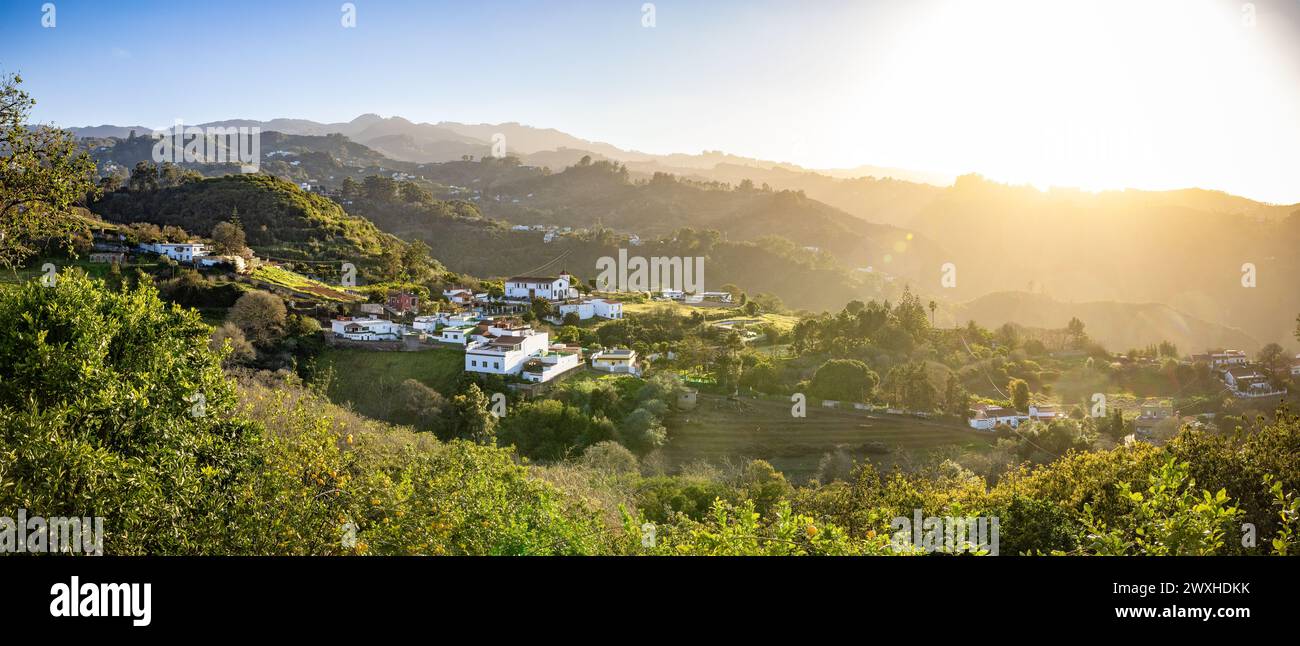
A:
1112	256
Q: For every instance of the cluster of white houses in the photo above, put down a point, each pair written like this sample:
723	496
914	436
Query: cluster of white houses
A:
501	346
1246	380
112	248
987	417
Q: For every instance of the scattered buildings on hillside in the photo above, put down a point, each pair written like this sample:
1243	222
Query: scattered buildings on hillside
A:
1222	358
1245	379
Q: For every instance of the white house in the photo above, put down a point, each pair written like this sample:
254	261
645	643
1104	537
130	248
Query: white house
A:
432	322
550	364
986	417
366	329
459	295
584	310
607	309
1223	358
721	297
234	262
527	288
505	355
1045	413
1235	377
178	251
619	360
458	334
1295	366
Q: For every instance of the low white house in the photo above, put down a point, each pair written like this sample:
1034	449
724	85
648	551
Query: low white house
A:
505	355
459	295
607	309
586	309
459	335
617	360
371	329
527	288
234	262
1045	413
986	417
178	251
1295	366
550	364
432	322
1223	358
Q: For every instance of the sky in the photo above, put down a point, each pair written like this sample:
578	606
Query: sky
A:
1097	94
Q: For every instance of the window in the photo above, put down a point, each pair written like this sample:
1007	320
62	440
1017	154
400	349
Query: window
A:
496	365
473	363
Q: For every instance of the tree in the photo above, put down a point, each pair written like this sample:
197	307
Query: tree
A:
1274	359
228	238
956	400
610	457
470	418
763	376
844	380
421	404
572	318
261	315
144	177
241	351
117	393
1075	329
641	430
42	176
552	430
1019	389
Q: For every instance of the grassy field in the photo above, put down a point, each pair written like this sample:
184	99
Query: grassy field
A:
719	429
368	379
94	269
299	283
782	321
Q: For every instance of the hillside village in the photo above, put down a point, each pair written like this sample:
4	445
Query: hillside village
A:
487	327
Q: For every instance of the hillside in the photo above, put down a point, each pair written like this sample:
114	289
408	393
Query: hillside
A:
1125	246
279	219
1117	326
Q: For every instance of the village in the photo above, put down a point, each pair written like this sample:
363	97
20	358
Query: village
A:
496	340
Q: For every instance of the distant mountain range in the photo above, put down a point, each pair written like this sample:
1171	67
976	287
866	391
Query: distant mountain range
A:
405	140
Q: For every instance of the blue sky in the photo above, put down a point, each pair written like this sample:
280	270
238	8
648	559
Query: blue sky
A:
1098	94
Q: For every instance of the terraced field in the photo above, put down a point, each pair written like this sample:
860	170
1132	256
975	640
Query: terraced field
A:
720	429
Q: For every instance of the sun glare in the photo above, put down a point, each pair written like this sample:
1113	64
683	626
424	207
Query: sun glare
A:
1093	95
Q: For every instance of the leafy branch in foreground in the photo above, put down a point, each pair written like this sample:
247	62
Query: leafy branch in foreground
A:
42	176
